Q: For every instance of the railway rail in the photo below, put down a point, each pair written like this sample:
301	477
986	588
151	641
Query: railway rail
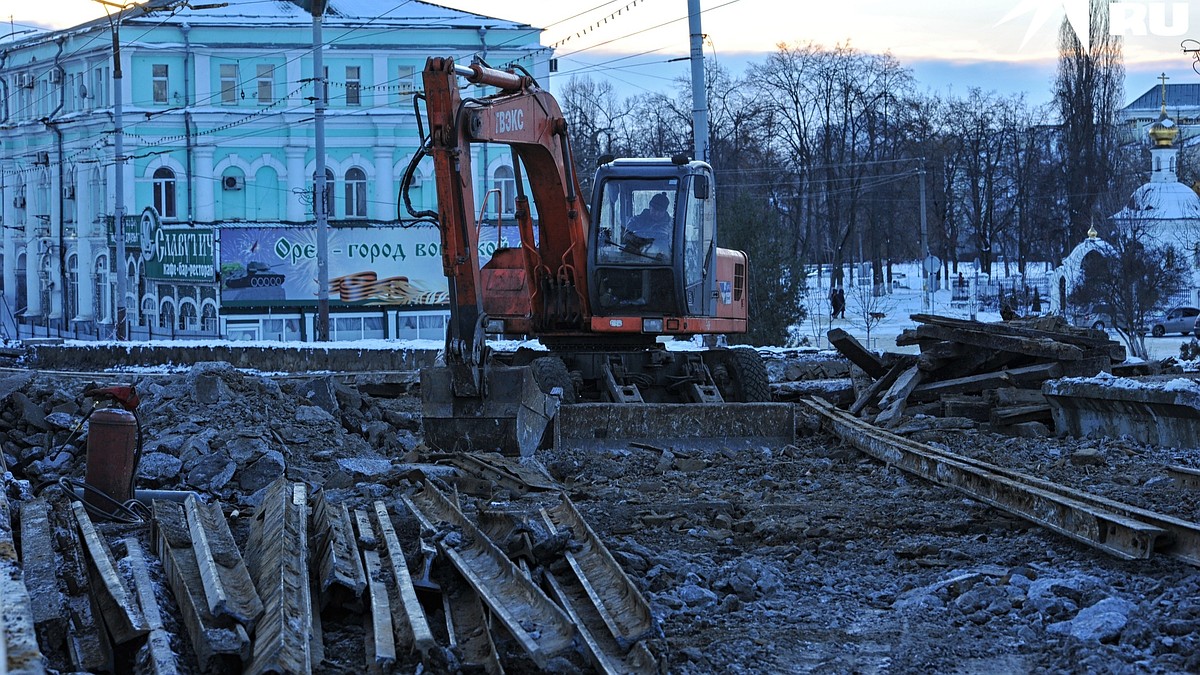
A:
1122	530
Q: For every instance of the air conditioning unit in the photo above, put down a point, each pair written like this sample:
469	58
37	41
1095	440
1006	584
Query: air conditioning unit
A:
56	76
25	80
18	202
233	182
68	192
41	159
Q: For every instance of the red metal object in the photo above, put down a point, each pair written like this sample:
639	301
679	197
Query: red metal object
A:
124	395
111	456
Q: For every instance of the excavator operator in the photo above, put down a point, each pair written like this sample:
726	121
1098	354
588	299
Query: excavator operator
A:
651	228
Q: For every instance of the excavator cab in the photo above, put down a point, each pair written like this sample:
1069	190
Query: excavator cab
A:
667	269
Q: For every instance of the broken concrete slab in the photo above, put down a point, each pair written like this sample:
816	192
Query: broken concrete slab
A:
1157	411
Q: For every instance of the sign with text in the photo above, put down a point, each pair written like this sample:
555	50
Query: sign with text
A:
277	266
176	253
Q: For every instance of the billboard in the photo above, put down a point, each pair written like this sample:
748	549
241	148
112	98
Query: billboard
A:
277	266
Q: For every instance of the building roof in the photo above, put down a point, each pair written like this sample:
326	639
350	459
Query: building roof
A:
1178	96
378	13
1162	201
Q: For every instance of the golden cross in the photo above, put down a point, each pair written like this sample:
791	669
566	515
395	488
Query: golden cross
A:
1163	78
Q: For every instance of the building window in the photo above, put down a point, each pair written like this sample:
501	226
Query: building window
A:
353	85
283	330
208	319
166	316
149	311
241	330
159	82
266	81
406	77
164	192
421	326
356	193
507	185
187	317
100	87
229	83
329	201
102	293
347	328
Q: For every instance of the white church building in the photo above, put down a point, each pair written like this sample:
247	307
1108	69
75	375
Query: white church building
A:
1168	209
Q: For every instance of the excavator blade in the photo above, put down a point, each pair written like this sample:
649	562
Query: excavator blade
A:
514	416
734	426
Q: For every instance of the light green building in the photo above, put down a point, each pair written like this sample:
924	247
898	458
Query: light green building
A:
217	114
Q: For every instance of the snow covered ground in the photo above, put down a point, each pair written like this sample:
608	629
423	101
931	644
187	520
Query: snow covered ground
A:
903	302
896	308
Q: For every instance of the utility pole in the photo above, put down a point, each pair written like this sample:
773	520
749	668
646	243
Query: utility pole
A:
699	99
319	203
119	159
927	262
114	24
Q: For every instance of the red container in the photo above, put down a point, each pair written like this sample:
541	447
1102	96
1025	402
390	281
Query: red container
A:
111	456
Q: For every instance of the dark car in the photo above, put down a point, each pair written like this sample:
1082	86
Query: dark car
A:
1180	320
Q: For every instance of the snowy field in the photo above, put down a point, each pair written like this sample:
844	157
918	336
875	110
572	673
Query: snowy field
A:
904	301
896	309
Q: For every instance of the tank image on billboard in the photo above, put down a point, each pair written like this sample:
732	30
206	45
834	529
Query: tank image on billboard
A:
277	266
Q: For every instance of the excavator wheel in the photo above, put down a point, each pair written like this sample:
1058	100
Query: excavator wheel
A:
746	378
551	372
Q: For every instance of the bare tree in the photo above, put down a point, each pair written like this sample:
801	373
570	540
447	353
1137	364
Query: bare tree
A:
1087	91
597	121
1135	277
868	308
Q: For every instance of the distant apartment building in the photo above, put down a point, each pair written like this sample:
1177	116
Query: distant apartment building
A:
1183	105
217	122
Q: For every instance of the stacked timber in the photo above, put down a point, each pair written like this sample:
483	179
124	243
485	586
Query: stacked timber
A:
442	578
987	372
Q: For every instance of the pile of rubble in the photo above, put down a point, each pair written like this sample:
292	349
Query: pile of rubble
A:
982	372
214	430
285	526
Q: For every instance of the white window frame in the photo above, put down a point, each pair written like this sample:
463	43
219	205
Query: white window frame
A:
164	193
505	181
356	193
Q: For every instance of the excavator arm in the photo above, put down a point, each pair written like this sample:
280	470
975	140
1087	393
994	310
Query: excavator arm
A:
553	258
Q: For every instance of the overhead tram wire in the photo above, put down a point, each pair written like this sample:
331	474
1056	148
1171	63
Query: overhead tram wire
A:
49	95
622	37
354	30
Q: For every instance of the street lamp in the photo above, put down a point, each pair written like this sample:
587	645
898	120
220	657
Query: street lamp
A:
114	24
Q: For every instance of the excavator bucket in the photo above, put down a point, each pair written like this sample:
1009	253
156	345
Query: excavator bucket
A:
734	426
511	418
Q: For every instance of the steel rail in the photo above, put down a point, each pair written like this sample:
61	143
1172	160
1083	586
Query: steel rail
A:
1120	529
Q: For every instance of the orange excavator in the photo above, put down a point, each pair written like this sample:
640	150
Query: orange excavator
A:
596	287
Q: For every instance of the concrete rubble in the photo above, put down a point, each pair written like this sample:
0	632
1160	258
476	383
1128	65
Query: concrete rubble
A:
800	557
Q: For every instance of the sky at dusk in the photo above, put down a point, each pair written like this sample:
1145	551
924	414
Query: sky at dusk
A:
951	45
